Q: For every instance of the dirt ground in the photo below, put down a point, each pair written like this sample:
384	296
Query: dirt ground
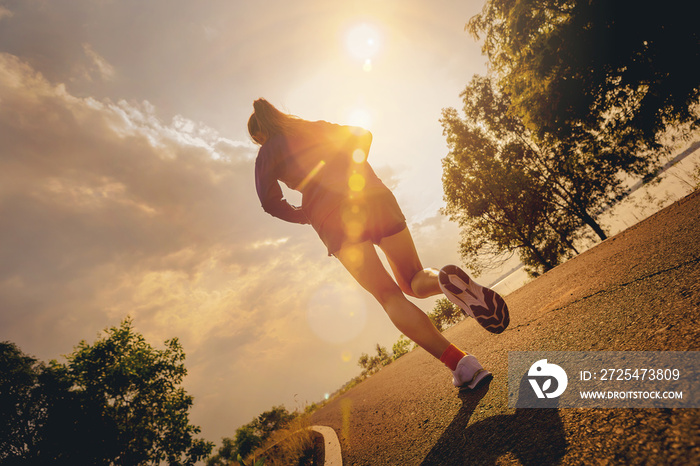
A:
637	291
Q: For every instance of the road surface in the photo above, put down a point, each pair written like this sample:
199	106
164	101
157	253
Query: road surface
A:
637	291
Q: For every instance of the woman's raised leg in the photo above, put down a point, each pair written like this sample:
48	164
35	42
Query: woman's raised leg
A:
413	279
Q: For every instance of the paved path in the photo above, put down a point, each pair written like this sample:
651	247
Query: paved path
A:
639	290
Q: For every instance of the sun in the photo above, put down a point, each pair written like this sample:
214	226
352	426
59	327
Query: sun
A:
363	41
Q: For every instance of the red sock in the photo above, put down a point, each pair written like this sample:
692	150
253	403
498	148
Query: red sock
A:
452	356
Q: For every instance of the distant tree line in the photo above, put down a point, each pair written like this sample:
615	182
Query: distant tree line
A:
116	401
578	97
251	436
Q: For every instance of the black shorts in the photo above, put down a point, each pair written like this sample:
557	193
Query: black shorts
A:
368	217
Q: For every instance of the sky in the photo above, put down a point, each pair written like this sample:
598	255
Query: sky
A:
126	180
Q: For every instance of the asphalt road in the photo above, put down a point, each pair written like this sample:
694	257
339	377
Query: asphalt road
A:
637	291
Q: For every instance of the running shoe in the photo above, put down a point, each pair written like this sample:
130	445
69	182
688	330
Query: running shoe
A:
468	372
479	302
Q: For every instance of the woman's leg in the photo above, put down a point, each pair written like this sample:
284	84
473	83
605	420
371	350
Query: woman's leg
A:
413	279
363	263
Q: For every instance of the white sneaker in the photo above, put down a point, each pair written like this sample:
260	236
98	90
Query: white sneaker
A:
468	372
479	302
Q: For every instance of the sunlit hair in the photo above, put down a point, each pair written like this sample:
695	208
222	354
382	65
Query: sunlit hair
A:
267	121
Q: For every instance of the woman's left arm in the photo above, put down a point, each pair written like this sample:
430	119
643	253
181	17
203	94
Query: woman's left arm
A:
271	196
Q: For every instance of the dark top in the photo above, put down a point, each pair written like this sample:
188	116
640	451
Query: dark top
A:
318	162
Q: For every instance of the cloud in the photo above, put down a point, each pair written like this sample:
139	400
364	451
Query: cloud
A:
5	13
91	188
108	211
98	64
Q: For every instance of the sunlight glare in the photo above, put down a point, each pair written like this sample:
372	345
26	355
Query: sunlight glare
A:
363	41
359	117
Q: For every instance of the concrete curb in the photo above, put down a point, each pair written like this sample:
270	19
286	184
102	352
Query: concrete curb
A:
332	455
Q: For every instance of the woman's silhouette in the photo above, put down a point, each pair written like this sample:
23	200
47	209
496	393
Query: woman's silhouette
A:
352	211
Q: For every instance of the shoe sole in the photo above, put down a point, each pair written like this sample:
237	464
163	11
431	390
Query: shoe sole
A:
483	304
480	376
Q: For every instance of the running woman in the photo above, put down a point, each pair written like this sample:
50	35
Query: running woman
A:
352	211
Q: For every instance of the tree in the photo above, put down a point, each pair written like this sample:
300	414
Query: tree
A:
247	439
117	401
579	181
401	346
251	436
22	408
611	71
225	454
272	420
372	364
510	191
445	314
133	394
497	202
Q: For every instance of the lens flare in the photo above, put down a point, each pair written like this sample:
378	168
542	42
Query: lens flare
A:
346	414
314	171
337	313
356	182
359	156
359	117
355	256
353	230
354	219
